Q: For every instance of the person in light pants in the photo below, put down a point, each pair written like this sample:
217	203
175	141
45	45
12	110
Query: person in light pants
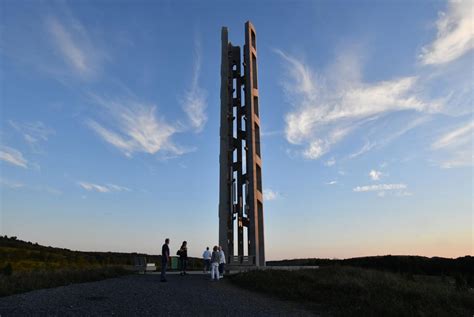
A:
207	260
215	259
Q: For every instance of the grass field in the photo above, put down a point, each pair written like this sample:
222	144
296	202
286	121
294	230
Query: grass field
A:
24	281
349	291
26	266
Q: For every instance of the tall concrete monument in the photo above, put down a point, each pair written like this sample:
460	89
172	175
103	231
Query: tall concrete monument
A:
240	187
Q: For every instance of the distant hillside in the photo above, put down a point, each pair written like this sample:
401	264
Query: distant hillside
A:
24	255
398	263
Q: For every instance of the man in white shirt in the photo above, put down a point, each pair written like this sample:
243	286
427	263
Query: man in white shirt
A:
207	260
221	262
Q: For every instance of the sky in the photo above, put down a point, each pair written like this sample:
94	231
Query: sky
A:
109	118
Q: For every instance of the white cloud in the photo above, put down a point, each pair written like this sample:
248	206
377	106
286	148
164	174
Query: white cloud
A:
32	132
194	103
102	188
19	186
330	162
459	159
136	128
379	187
70	51
456	145
326	109
316	149
375	175
455	34
74	45
118	188
11	184
364	149
331	183
13	156
455	138
269	195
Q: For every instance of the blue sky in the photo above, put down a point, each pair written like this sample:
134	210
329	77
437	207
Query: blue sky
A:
110	119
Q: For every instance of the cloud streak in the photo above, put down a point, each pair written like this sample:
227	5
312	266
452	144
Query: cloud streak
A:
135	127
455	36
33	132
379	187
13	156
11	184
458	137
194	103
73	43
457	145
102	188
326	109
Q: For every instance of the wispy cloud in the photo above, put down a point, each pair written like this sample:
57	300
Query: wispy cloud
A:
107	188
458	137
194	102
11	184
135	127
327	109
74	45
20	186
379	187
331	183
458	159
364	149
13	156
457	145
375	175
330	162
32	132
269	194
455	34
398	190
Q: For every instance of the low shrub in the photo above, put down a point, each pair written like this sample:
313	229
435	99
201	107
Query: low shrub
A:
7	269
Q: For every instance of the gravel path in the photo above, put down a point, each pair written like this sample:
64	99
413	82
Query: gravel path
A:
192	295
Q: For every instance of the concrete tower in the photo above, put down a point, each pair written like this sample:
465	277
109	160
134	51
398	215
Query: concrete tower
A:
240	187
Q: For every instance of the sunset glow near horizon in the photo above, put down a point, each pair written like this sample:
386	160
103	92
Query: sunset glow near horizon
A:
110	124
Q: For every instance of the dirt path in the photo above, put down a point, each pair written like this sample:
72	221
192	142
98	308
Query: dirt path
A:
144	295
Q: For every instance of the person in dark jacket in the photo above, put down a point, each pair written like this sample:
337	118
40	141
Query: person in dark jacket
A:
183	257
215	259
165	257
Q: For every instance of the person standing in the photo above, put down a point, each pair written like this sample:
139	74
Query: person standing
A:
183	257
215	257
221	262
165	257
207	260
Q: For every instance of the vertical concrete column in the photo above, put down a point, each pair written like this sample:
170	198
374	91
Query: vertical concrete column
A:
225	156
254	160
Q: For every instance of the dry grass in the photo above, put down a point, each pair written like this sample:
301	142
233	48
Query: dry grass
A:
24	281
349	291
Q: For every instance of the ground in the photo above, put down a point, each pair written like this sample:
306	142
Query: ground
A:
145	295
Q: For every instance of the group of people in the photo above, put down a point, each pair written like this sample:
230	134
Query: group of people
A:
213	262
